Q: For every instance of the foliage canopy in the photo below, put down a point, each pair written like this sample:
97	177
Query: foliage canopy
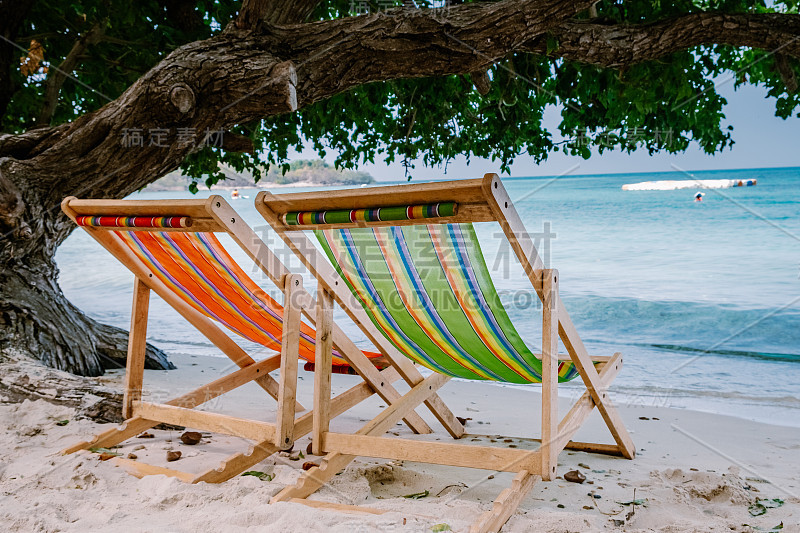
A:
660	105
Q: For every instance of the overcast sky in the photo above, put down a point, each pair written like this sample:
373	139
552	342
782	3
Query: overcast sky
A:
762	140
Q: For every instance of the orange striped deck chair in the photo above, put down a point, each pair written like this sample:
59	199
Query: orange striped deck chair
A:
405	262
172	248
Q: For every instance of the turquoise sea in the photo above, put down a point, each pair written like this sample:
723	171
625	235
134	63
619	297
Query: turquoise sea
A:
703	299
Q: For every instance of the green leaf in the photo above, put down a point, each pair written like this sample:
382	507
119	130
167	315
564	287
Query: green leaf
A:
770	503
62	422
417	495
761	506
263	476
441	527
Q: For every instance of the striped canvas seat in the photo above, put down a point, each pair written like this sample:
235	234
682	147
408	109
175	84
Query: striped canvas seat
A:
197	268
428	290
406	265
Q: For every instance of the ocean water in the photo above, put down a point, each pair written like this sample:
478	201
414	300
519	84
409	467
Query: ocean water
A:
703	299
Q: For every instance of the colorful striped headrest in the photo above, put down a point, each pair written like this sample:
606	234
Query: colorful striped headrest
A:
133	222
379	214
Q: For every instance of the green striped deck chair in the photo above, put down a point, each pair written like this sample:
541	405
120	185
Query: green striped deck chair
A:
173	250
405	263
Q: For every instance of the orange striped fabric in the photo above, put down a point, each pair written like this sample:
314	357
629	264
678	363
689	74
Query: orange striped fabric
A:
197	268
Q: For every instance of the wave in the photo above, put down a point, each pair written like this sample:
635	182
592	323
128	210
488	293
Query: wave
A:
688	327
790	357
785	400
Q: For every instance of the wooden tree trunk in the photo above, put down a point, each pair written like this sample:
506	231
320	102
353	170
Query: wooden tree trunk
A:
35	317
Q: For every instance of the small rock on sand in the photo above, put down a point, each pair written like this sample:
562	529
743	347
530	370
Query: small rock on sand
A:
146	436
132	456
191	438
173	456
574	476
308	465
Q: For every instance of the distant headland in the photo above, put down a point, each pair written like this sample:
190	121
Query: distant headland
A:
306	172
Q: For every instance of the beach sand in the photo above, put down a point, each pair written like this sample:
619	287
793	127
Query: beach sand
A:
694	471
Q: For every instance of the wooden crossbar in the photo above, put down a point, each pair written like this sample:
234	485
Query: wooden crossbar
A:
195	208
464	192
472	206
441	453
138	469
213	422
342	508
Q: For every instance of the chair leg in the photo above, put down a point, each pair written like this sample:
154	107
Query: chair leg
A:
549	448
290	346
137	347
322	375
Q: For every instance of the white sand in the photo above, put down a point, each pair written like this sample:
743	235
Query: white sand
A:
696	471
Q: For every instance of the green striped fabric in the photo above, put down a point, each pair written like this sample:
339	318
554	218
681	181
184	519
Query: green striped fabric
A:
428	290
376	214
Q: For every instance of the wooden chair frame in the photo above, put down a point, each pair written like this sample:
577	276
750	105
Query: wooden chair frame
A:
216	215
480	200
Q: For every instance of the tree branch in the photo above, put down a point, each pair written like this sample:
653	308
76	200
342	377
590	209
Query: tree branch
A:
341	54
617	45
245	75
57	75
28	144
